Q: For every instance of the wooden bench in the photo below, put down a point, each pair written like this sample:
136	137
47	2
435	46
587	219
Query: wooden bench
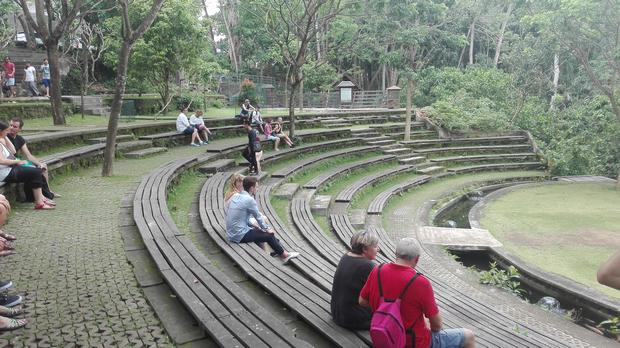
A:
226	312
284	172
312	147
474	149
510	139
302	296
497	166
323	178
350	191
522	156
376	206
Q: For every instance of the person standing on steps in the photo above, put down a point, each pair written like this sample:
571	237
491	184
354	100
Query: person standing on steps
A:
241	208
184	127
45	76
254	150
9	76
30	78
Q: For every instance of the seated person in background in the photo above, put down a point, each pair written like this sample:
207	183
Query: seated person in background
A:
609	273
278	130
184	127
351	274
257	120
418	307
13	171
241	207
5	239
16	126
198	122
268	129
246	109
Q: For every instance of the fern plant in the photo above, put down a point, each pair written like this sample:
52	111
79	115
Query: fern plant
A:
504	279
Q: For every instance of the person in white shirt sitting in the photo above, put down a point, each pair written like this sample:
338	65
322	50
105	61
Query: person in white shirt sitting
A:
184	127
198	122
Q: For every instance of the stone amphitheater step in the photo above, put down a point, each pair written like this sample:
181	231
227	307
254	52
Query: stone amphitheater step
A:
217	166
377	137
384	141
390	146
119	139
366	135
408	159
129	146
511	139
145	152
397	151
423	134
500	157
431	170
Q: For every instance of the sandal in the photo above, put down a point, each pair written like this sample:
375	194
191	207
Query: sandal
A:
7	236
10	312
56	195
44	206
49	201
13	324
6	252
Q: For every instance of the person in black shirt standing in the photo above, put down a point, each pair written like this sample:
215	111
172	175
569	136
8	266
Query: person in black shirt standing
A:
254	150
351	274
15	127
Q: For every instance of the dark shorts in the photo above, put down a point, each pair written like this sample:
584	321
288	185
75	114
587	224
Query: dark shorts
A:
188	131
46	82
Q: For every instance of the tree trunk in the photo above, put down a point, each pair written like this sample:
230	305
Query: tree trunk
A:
463	50
556	79
301	95
291	112
500	39
618	180
471	42
30	41
119	89
53	57
84	79
408	109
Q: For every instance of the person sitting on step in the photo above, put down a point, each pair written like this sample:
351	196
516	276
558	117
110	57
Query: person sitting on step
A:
16	125
184	127
351	274
14	171
9	308
278	130
6	248
241	208
269	134
419	311
198	122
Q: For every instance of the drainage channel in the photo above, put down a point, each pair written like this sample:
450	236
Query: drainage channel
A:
455	214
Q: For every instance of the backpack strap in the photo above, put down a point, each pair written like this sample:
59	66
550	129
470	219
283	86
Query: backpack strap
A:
379	280
402	293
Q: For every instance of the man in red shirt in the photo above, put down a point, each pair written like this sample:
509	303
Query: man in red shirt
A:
418	308
9	75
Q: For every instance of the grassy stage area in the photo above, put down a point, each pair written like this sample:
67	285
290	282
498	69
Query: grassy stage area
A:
566	228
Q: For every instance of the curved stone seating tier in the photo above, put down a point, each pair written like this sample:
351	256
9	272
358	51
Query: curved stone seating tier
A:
497	166
497	140
284	172
303	297
226	312
350	191
376	205
321	179
494	158
473	149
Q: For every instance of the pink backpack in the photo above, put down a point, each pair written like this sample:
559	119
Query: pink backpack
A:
386	326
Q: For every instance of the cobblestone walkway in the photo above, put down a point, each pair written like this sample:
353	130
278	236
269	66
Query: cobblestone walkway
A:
70	267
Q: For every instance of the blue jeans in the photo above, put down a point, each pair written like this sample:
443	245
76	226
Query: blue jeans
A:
449	338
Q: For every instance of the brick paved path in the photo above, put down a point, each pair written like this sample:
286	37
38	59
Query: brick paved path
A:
71	269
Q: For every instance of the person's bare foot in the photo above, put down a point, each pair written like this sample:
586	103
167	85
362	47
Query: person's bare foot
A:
286	256
7	324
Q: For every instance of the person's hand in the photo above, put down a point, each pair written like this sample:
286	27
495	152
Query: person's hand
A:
21	163
42	165
271	230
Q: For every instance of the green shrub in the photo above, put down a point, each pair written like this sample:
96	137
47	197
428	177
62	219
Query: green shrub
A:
507	280
70	84
248	91
31	110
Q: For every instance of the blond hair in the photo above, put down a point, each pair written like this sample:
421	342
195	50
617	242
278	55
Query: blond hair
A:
363	240
232	188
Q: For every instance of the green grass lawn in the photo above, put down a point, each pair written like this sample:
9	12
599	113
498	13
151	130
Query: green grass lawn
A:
181	196
568	229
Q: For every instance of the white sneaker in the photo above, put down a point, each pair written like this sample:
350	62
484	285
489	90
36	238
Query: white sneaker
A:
201	142
291	255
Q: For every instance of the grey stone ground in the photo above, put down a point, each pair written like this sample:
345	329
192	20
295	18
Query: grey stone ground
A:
71	269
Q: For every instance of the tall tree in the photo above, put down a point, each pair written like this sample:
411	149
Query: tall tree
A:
54	21
293	26
130	33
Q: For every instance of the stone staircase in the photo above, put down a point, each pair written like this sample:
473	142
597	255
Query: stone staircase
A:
93	104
